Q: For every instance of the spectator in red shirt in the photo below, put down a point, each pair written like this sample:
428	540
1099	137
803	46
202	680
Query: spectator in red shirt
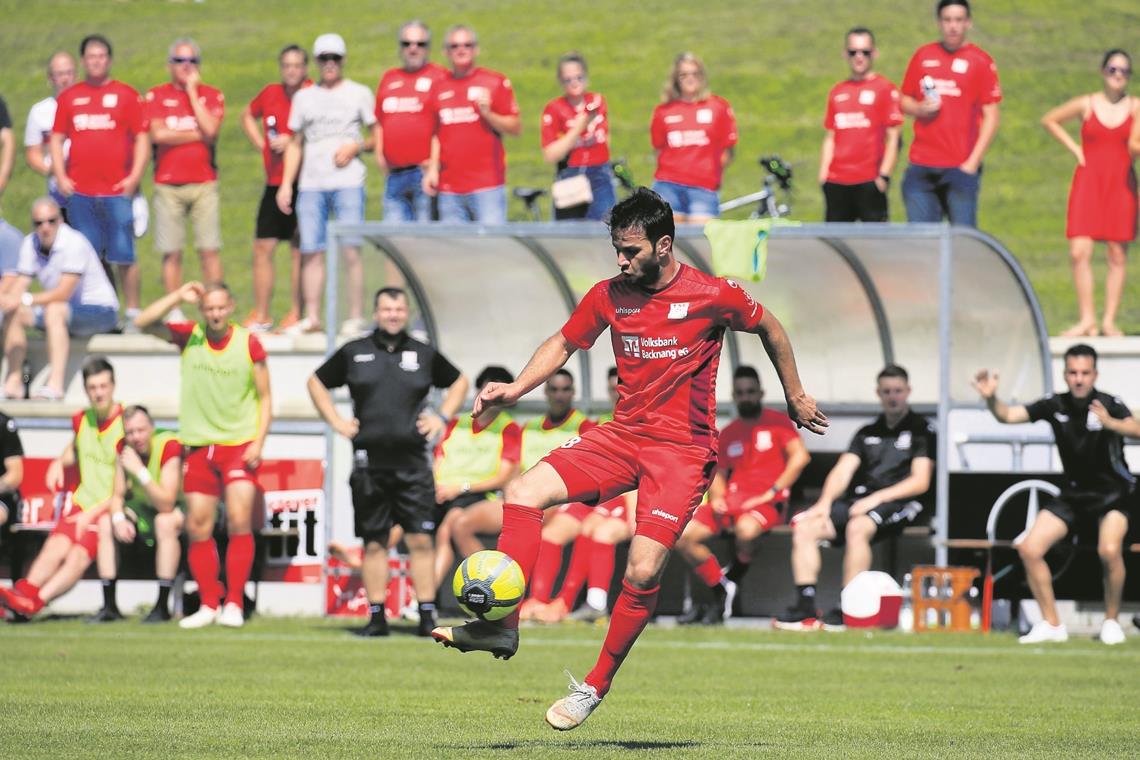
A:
862	142
951	89
103	118
185	118
472	107
406	125
272	106
693	132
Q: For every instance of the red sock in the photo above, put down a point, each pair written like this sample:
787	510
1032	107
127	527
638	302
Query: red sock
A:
546	567
202	557
30	590
633	609
709	571
602	566
239	562
521	536
576	573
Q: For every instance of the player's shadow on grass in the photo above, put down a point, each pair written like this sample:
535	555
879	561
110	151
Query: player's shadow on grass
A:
583	744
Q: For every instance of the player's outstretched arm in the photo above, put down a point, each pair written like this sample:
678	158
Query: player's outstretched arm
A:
801	406
190	293
986	384
550	356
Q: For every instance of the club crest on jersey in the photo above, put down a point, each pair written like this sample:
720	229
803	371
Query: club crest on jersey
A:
409	361
763	440
110	100
959	65
903	442
632	345
679	310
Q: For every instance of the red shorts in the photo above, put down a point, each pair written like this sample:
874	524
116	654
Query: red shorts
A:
575	509
65	527
209	469
609	460
769	515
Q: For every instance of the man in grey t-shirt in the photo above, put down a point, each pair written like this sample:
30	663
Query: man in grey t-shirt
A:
327	122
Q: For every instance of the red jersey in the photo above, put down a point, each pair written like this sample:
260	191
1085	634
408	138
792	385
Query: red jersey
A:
592	147
667	346
190	162
965	80
180	334
272	106
402	100
691	138
102	123
858	113
753	453
471	156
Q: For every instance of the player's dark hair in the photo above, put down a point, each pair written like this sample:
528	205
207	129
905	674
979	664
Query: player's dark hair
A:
947	3
860	30
1081	349
96	365
95	39
1115	51
390	292
746	372
611	373
294	48
643	210
564	373
134	409
493	373
571	57
894	370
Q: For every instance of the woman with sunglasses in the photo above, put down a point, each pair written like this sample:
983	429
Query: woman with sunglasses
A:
1102	199
694	133
575	137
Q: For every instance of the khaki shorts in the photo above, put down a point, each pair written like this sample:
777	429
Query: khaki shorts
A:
173	204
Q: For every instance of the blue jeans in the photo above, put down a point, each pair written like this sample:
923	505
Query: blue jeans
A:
315	207
404	197
108	223
931	193
83	320
483	206
601	185
688	200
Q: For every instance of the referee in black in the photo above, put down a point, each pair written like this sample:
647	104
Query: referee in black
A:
1098	493
388	375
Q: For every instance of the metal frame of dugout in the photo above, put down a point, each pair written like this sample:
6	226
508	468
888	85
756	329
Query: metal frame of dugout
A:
938	299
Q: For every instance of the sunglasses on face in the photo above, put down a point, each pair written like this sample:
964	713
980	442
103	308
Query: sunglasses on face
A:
41	222
852	52
571	80
414	43
181	59
330	58
454	45
1124	72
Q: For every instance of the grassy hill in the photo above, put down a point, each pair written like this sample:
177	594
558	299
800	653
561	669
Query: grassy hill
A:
773	61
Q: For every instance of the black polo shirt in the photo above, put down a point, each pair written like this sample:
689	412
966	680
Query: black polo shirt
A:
1092	457
10	446
885	453
388	378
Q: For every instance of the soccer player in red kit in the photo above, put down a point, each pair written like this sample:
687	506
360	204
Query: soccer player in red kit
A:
667	323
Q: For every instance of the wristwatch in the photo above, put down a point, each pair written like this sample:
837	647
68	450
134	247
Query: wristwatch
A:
465	488
26	298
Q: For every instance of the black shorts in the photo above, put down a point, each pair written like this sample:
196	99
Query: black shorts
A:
1084	509
462	501
854	203
383	497
271	223
889	518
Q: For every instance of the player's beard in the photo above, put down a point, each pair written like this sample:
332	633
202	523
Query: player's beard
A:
749	409
650	272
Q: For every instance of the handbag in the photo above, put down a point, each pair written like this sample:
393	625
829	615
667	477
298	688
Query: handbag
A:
572	191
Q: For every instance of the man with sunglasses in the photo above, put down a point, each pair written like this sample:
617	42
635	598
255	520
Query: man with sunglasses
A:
404	139
185	120
472	108
861	147
951	89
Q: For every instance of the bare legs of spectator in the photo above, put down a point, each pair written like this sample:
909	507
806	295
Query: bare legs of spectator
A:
16	350
1047	530
58	346
374	572
421	564
263	277
168	546
312	287
211	264
131	279
354	281
1117	254
1110	547
1080	256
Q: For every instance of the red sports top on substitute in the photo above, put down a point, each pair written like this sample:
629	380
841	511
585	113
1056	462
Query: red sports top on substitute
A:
965	80
859	113
753	452
102	123
180	334
592	147
402	109
272	106
189	162
691	138
471	156
667	348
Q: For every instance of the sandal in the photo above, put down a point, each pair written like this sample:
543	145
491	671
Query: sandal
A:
47	394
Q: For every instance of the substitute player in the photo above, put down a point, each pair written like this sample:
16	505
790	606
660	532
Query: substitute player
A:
223	418
1088	426
667	325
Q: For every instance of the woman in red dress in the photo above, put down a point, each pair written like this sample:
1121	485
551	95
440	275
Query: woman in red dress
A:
1102	200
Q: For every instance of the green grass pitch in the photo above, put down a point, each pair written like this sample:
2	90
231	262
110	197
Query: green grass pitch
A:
307	688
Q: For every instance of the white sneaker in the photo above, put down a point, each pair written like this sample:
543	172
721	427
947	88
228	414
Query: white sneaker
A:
1044	632
572	711
175	315
353	326
730	590
302	327
203	617
231	616
1111	633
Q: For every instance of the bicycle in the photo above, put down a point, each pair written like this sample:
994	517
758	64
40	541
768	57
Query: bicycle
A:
773	200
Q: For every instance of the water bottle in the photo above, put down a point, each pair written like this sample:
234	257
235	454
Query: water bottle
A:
930	90
360	459
271	126
906	614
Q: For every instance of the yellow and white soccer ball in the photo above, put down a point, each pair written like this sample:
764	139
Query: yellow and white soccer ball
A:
489	585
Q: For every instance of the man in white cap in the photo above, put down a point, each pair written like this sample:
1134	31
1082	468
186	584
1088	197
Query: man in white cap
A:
327	122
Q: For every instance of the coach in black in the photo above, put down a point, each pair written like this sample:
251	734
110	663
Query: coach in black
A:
872	492
11	470
388	375
1088	426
